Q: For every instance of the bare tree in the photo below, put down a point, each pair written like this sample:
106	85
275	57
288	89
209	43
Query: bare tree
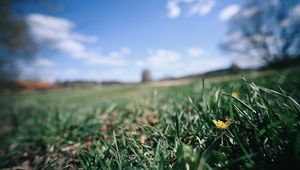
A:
15	42
267	30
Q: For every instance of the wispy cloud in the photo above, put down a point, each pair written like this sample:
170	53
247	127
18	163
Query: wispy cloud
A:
62	37
236	11
119	74
173	9
228	12
195	7
166	58
71	47
166	62
38	69
296	11
42	62
114	58
194	52
202	7
208	64
232	36
274	2
285	23
294	17
49	28
161	58
249	12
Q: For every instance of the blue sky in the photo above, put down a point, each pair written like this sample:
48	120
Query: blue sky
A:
116	39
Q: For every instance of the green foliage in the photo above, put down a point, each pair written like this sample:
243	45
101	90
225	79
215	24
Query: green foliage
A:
152	127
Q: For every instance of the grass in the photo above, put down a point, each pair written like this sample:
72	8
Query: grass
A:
152	127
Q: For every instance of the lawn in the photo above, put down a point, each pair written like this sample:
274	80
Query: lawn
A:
158	127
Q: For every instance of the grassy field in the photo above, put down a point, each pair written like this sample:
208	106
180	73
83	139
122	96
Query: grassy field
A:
157	126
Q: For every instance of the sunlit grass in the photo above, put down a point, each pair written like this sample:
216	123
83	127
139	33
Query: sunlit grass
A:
148	127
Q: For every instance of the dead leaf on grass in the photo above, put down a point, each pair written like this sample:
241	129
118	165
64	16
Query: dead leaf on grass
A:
143	138
148	117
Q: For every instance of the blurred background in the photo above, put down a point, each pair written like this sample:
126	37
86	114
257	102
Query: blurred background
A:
50	45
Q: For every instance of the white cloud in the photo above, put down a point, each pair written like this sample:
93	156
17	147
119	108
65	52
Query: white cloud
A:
62	37
240	45
84	38
188	1
274	2
232	36
125	51
166	62
160	59
249	12
38	69
49	28
114	58
71	72
228	12
73	48
42	62
202	7
296	11
163	58
245	61
119	74
194	52
285	23
258	38
195	7
209	64
173	9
